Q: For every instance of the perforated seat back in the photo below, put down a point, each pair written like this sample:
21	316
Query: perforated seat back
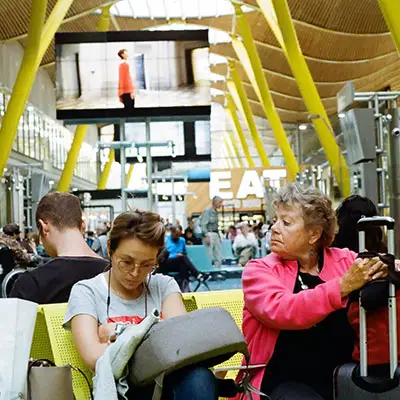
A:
227	251
199	256
63	347
230	300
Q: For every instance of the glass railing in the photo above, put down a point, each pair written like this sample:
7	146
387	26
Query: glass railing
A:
43	138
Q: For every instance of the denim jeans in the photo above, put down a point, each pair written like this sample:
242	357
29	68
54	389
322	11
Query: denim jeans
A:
195	383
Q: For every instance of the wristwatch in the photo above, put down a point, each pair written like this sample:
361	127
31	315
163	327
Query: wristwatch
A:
119	328
113	336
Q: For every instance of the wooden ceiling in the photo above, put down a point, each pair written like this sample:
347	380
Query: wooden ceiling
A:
342	40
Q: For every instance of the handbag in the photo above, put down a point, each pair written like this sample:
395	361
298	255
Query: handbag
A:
46	381
204	337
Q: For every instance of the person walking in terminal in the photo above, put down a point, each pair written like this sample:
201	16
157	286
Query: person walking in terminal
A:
295	299
209	228
126	90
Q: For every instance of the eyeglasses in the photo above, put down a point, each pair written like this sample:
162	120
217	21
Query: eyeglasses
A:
130	266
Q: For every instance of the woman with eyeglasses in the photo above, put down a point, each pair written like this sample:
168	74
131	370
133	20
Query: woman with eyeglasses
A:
125	294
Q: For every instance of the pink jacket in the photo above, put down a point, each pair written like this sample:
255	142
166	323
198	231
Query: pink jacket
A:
270	305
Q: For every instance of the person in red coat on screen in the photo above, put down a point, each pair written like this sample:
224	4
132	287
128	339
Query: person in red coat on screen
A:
126	90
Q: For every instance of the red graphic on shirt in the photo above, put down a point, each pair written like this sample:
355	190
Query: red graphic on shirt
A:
132	320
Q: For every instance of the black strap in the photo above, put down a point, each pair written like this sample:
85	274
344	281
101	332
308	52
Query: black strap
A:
44	362
86	379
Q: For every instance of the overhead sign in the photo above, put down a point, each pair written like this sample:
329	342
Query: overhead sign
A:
251	184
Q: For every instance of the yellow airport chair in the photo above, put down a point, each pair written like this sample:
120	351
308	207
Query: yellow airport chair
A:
63	348
230	300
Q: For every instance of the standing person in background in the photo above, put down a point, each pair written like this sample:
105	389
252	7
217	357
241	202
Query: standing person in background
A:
209	228
126	90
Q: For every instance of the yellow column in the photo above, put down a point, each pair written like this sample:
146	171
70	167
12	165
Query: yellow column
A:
247	53
106	171
129	174
231	112
229	152
73	154
23	83
391	11
231	139
280	21
80	133
239	97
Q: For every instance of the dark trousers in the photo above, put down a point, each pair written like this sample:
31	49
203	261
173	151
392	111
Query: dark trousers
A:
181	265
196	383
294	391
129	103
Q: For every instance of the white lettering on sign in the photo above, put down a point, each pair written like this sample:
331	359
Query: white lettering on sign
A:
219	181
250	185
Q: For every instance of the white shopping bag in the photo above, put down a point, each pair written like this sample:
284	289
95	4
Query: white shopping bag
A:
17	323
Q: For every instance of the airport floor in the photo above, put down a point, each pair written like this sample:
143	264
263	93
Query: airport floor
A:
228	283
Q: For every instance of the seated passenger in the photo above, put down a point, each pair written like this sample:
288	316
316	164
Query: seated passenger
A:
59	221
349	212
21	256
126	294
191	240
245	244
376	296
178	261
295	299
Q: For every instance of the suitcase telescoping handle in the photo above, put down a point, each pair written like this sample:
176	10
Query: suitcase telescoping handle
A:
363	223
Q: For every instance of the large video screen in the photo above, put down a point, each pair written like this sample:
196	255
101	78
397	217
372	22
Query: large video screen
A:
127	72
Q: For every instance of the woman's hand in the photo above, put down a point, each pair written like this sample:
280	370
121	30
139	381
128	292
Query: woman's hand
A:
360	273
107	333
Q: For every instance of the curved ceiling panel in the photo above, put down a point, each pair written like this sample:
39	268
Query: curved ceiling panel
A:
352	16
274	60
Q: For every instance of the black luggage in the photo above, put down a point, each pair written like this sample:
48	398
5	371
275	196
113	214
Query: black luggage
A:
352	381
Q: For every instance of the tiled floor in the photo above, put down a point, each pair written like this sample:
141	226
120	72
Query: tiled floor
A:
229	283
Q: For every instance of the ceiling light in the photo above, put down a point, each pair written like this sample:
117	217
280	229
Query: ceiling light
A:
302	127
341	115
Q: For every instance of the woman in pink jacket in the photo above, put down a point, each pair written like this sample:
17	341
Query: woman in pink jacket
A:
295	299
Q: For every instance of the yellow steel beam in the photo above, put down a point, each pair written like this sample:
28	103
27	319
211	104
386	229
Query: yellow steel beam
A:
231	112
80	133
247	53
277	14
391	11
129	174
106	171
23	83
236	90
73	154
229	152
232	141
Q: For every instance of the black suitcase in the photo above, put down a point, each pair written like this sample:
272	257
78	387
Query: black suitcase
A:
351	381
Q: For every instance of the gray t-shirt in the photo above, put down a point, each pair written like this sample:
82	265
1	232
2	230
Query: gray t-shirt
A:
89	297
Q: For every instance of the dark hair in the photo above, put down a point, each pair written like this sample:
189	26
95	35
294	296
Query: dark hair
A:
348	213
122	51
142	225
11	230
63	210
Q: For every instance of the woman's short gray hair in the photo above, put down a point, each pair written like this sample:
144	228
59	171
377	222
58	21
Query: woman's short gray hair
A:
317	209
